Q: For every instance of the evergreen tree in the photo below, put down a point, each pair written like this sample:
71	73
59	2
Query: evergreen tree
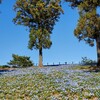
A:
20	61
88	27
40	16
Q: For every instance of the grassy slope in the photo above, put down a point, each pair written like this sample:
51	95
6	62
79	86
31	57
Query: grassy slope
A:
58	83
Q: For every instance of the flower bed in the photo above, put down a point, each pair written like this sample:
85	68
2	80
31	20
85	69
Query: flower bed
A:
52	83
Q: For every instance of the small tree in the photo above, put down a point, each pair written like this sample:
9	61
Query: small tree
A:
88	27
40	16
20	61
87	61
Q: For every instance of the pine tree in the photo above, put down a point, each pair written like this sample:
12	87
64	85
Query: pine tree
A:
88	27
40	16
20	61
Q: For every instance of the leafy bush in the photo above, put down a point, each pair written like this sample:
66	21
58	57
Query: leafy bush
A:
4	66
87	61
20	61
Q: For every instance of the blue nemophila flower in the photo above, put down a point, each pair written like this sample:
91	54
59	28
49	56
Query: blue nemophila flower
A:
52	83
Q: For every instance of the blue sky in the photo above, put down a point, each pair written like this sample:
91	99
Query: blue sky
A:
65	47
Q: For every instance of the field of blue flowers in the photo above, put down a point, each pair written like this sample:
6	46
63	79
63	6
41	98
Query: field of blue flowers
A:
50	83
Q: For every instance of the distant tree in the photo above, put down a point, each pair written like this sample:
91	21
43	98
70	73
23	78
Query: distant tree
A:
20	61
88	27
40	16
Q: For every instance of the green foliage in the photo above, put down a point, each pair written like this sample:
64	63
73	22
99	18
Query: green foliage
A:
40	16
85	4
88	27
74	3
20	61
4	66
87	61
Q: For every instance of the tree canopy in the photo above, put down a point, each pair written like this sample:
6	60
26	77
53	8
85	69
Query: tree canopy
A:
85	4
88	27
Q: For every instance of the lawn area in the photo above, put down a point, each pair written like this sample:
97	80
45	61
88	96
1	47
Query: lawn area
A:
50	83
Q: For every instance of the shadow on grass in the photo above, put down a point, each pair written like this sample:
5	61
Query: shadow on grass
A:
2	71
93	69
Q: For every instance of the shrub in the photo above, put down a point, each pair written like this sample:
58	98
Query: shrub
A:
87	61
20	61
4	66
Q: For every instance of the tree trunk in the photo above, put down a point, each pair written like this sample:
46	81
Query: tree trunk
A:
40	58
98	50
